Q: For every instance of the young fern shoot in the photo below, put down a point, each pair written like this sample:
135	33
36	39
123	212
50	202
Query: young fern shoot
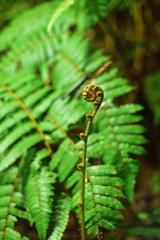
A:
91	93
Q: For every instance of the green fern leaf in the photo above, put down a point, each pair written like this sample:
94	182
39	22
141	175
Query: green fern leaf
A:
39	197
100	197
10	200
123	139
60	217
10	234
98	212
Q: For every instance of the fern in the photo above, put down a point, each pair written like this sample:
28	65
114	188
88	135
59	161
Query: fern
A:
101	205
100	191
42	113
27	23
38	194
117	122
60	218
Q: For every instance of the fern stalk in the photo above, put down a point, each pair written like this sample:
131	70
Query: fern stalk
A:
91	93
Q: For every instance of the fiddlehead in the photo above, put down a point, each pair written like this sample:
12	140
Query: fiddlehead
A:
91	93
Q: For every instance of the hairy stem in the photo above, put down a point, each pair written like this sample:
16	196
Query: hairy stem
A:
91	93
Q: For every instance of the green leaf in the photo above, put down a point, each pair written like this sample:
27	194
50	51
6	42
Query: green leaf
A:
10	201
144	231
39	196
19	149
60	218
149	216
66	158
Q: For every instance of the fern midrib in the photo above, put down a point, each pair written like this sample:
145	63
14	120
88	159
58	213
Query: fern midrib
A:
9	205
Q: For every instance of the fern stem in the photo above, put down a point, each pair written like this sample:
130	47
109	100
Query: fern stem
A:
91	93
83	174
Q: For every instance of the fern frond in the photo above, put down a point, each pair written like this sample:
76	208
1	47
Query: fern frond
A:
126	143
13	119
40	47
39	71
123	138
10	234
99	188
27	23
101	194
39	193
10	200
60	217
